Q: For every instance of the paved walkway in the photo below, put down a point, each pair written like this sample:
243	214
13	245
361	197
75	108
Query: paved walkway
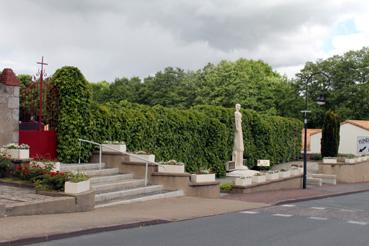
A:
280	196
10	195
171	209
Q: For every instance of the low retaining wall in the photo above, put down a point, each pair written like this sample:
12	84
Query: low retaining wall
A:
60	203
183	182
294	182
347	173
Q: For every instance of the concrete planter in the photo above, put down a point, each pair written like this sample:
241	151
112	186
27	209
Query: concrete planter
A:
360	159
258	179
350	160
142	158
171	168
75	188
330	160
272	176
202	178
294	171
301	170
116	147
243	181
284	174
18	154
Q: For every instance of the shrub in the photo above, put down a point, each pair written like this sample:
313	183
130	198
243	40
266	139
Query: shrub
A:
5	166
330	135
316	157
53	181
201	137
226	187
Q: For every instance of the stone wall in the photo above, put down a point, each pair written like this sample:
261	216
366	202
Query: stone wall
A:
9	107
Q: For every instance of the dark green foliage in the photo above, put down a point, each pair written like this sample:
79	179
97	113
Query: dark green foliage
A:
201	137
5	165
74	112
330	135
347	91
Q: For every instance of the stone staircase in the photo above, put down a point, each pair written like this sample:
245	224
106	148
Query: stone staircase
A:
113	188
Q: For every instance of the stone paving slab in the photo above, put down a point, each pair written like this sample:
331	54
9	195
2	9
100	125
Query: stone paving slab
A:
10	195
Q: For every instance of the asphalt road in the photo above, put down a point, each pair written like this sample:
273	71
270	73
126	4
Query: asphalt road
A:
333	221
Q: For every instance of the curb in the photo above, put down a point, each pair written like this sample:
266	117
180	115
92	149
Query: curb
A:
40	239
303	199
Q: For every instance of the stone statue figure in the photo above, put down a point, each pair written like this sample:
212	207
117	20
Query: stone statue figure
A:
238	148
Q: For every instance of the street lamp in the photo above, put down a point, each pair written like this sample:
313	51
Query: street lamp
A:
320	101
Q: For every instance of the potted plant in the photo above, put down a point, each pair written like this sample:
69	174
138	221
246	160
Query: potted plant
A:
171	166
17	152
284	173
5	165
243	181
114	146
141	156
272	175
77	183
258	178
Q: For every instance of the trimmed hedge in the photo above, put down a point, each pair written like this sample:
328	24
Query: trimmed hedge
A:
201	137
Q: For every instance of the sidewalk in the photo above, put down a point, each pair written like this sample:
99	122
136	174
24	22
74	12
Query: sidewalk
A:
286	196
42	227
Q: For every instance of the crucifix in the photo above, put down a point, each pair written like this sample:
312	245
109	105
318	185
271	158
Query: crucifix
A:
42	63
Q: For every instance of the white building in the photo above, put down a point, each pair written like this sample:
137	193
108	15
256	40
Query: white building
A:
354	138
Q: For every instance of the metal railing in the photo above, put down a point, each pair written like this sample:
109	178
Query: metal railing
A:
116	150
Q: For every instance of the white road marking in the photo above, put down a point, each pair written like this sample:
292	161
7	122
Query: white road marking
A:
249	212
288	205
347	210
318	218
318	208
282	215
357	222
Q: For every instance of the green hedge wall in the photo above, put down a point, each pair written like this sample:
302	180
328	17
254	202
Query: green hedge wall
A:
201	137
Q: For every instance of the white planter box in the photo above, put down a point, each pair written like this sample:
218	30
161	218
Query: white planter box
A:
285	174
75	188
351	160
142	158
294	171
360	159
243	181
171	168
56	165
18	154
116	147
330	160
258	179
301	170
272	176
203	178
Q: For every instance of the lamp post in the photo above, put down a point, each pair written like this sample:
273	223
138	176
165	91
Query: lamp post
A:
320	101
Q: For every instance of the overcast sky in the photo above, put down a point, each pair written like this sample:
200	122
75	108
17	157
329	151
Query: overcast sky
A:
115	38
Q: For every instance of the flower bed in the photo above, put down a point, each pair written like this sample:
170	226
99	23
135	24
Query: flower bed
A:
17	152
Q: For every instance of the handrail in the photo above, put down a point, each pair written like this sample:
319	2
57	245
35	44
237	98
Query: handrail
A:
122	152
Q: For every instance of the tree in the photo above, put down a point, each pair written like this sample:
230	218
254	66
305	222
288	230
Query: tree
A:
347	90
330	135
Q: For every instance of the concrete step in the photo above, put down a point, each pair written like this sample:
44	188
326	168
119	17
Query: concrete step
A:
314	181
80	167
115	186
141	198
124	193
111	178
101	172
326	178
